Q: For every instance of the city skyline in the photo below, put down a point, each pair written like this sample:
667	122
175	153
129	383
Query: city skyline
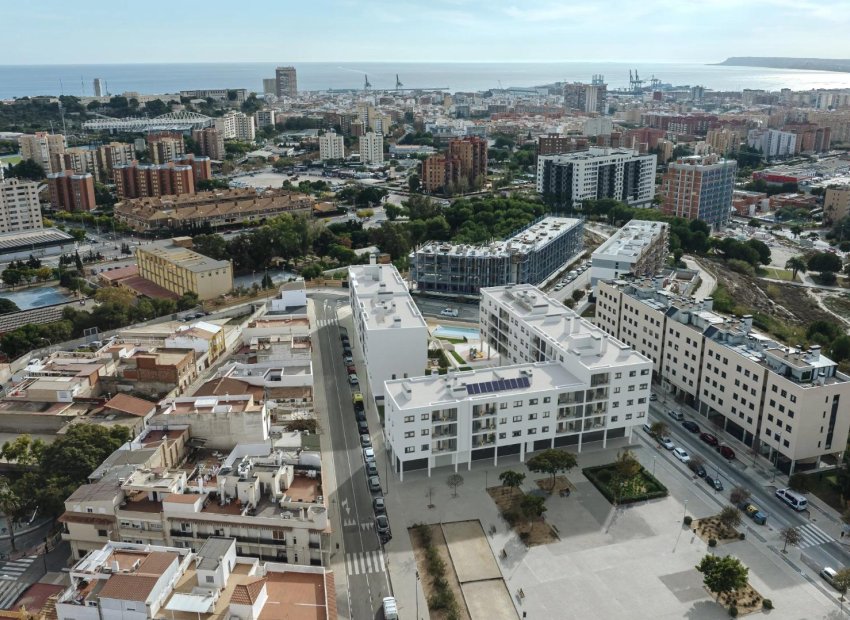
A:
448	30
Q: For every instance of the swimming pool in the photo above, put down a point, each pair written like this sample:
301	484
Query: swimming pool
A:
470	333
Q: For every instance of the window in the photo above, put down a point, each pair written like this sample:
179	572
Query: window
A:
517	418
643	386
533	401
547	399
503	405
617	390
644	372
618	375
532	431
426	431
503	420
102	533
503	435
613	418
425	417
210	578
632	373
517	403
631	388
409	418
409	434
630	402
516	434
615	404
409	449
628	416
546	414
641	401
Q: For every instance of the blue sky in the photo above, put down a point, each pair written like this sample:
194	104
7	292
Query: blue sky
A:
120	31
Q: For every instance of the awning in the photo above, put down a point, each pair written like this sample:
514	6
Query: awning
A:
195	603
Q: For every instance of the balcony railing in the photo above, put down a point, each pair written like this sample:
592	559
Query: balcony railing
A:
443	418
597	394
445	431
571	398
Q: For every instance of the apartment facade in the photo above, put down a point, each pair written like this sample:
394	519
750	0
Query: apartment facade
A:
621	174
165	147
265	118
386	322
528	257
700	187
557	144
174	266
210	142
563	383
640	247
71	192
79	160
786	403
471	153
236	126
40	147
371	148
772	143
20	209
115	154
331	146
286	82
836	204
175	178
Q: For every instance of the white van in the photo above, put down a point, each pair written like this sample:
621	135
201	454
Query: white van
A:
795	500
676	415
390	608
448	312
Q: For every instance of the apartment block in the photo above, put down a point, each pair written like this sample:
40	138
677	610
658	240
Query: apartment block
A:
587	98
40	147
621	174
331	146
700	187
20	209
772	143
286	82
528	257
371	148
236	126
786	403
71	192
210	142
386	321
811	138
79	160
725	141
174	266
265	118
563	382
165	147
558	144
471	153
836	204
115	154
640	247
236	95
137	180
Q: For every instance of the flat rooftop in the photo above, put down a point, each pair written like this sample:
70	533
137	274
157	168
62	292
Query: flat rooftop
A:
484	384
631	240
183	257
371	280
393	313
530	239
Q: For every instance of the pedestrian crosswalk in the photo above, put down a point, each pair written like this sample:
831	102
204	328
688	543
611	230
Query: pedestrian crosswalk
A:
811	535
12	569
10	591
360	563
365	526
327	322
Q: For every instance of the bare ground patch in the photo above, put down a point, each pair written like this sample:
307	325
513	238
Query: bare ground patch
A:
531	531
431	585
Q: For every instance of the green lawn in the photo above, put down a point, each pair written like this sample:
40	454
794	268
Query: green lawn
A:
458	358
11	159
778	274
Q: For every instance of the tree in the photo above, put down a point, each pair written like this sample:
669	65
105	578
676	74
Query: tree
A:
83	448
511	479
23	450
796	229
722	575
659	429
824	261
454	481
827	278
627	465
187	300
7	306
796	264
27	169
790	536
14	505
841	581
413	183
532	506
552	461
577	295
729	517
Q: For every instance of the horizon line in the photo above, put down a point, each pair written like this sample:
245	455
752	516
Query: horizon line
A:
347	62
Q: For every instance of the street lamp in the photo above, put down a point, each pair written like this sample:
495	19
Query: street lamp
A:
654	458
417	595
685	511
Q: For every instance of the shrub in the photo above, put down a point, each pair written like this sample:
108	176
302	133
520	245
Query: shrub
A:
525	536
712	542
733	611
688	520
741	535
741	266
767	604
511	516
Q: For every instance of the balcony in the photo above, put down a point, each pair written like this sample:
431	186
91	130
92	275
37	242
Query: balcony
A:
314	545
482	441
441	447
443	418
567	413
592	410
480	427
599	379
597	394
570	398
445	431
594	424
479	411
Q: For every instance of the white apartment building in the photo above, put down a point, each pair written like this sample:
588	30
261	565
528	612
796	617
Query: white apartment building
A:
789	404
236	126
621	174
40	146
640	247
564	382
392	333
372	148
772	143
265	118
331	146
19	206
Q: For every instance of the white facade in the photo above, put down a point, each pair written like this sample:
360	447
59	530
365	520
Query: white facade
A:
389	326
40	146
564	382
331	146
789	404
598	126
372	148
236	126
265	118
19	206
638	247
772	143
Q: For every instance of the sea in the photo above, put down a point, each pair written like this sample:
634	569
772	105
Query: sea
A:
30	80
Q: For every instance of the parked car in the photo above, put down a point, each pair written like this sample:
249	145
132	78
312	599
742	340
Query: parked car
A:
347	360
691	427
369	455
709	439
346	351
357	398
667	442
653	397
726	452
353	380
829	575
362	427
680	454
351	370
360	415
676	415
793	499
753	512
371	468
343	337
365	441
375	484
697	468
379	505
714	483
390	608
448	312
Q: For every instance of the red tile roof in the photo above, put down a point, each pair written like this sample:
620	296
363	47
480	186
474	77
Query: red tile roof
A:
129	587
247	593
130	404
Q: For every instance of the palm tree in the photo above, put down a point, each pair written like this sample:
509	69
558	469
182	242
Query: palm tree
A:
795	264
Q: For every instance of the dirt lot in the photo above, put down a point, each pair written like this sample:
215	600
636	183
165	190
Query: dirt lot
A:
536	532
439	542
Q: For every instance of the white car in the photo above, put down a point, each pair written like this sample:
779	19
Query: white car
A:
681	455
667	443
448	312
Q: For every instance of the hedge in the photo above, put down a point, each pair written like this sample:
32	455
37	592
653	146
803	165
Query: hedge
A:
601	475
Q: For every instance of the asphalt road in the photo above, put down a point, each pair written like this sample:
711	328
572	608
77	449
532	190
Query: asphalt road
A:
368	580
432	307
818	548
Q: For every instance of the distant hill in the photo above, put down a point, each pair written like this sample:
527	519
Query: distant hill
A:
811	64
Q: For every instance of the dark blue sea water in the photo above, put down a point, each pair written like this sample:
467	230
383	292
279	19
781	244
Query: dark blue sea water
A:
23	80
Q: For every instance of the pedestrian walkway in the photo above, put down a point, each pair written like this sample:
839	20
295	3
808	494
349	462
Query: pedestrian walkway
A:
811	536
12	569
358	563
